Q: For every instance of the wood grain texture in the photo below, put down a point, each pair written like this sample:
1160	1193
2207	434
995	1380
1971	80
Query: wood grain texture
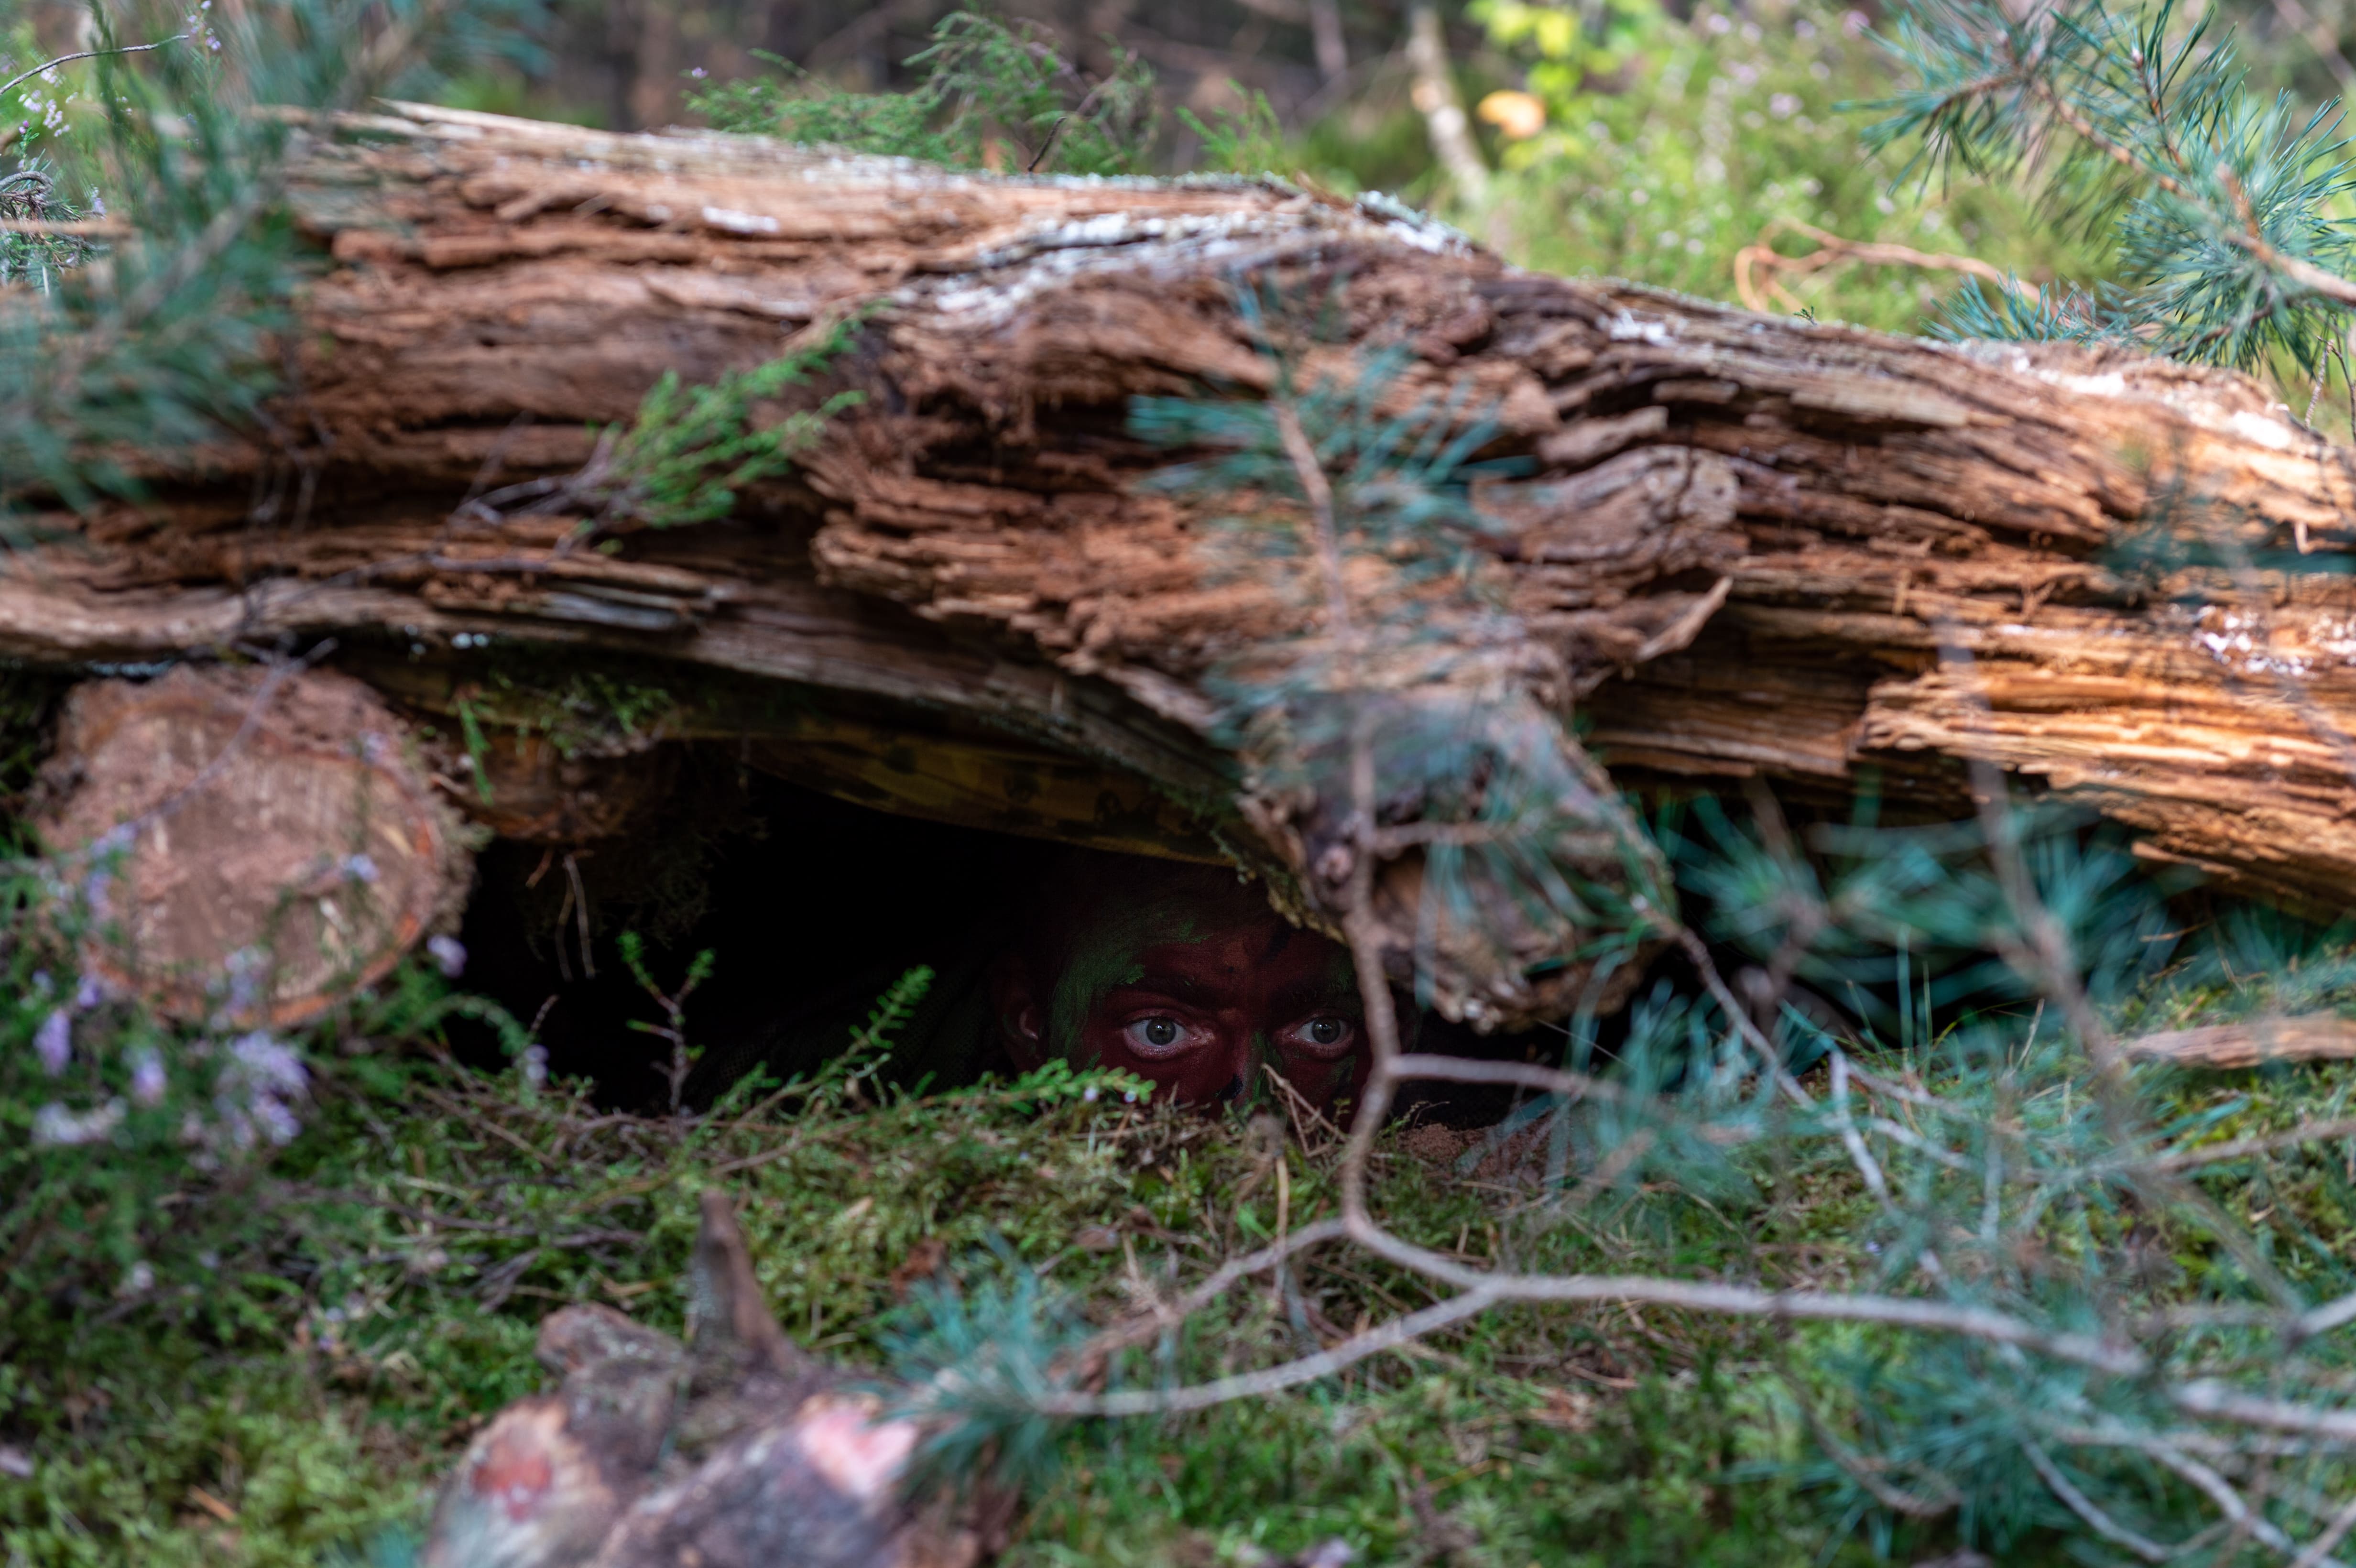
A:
2310	1037
1745	546
278	828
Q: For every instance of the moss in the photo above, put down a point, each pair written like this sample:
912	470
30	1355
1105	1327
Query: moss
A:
315	1337
590	712
381	1290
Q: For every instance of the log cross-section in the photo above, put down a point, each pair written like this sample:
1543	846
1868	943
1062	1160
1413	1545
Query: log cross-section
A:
1748	546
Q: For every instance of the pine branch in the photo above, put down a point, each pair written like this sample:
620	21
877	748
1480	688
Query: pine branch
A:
2220	207
2012	1328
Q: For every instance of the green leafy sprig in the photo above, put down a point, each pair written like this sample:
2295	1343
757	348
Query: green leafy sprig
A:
691	448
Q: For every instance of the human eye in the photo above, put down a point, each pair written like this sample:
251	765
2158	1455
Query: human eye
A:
1324	1034
1159	1034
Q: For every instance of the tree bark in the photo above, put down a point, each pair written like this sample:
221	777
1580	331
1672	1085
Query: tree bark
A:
1748	547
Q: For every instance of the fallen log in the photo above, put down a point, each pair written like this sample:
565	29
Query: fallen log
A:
1746	546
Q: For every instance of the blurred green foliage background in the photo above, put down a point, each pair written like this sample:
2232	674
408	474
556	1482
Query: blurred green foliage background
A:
1639	139
1650	140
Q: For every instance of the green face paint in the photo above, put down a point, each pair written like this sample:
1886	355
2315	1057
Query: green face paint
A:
1106	954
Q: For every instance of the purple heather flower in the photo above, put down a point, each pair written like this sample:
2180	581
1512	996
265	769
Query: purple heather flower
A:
53	1042
267	1064
54	1127
147	1075
251	1094
278	1124
449	954
244	966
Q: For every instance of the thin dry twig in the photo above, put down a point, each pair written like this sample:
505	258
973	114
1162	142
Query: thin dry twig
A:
78	228
2079	1503
2311	1037
1760	268
1488	1290
23	76
2242	1148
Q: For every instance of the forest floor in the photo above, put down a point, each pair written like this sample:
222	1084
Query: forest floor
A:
285	1378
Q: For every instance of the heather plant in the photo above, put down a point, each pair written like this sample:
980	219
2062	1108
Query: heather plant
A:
108	348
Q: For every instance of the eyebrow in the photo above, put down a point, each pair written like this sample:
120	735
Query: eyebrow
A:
1301	996
1188	993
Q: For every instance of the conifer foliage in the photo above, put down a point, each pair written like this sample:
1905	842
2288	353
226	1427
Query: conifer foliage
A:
2225	203
2057	1325
150	155
990	94
1398	679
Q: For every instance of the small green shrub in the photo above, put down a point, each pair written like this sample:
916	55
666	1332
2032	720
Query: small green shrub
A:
989	95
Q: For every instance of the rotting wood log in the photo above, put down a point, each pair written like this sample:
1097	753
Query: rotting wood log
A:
1750	547
739	1449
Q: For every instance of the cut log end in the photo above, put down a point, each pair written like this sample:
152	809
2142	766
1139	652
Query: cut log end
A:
765	1458
247	842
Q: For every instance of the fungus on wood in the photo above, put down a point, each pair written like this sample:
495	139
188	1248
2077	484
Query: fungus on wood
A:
1746	546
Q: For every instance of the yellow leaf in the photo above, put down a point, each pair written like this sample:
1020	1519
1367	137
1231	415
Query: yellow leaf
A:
1516	115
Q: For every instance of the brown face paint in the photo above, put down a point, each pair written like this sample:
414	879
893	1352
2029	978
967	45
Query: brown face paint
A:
1189	980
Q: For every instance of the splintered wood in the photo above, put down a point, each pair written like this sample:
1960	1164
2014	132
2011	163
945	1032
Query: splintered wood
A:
1746	546
738	1449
